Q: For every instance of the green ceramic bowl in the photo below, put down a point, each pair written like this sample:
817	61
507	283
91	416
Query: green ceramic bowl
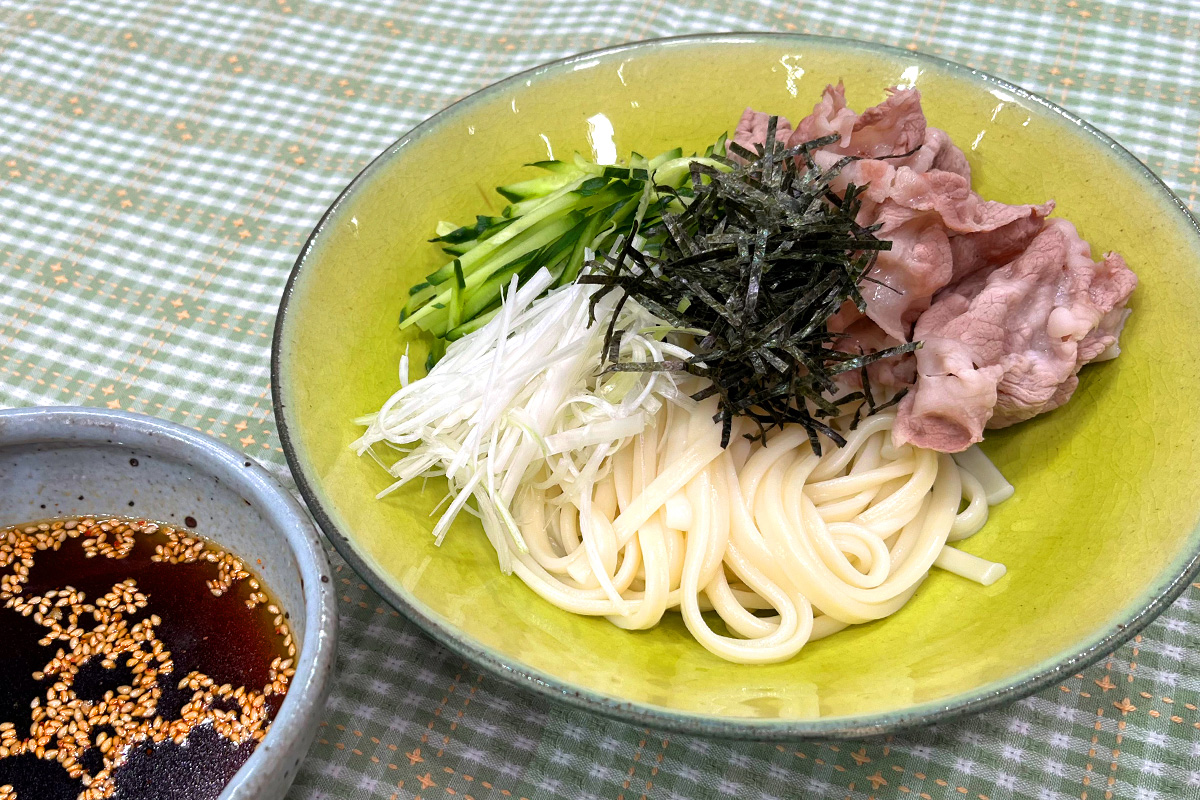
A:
1102	533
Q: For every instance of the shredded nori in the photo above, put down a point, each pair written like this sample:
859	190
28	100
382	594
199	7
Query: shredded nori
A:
761	257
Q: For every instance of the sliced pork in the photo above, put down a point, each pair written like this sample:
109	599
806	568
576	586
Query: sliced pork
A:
1008	305
918	187
975	251
923	214
939	153
1004	346
751	129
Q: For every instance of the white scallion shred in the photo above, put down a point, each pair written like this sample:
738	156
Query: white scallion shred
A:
522	397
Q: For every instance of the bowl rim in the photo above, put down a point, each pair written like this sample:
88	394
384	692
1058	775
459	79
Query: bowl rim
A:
80	426
1108	638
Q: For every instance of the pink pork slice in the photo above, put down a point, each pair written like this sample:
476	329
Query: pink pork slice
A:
918	188
1003	346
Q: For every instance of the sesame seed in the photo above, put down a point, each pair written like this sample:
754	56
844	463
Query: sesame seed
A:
113	630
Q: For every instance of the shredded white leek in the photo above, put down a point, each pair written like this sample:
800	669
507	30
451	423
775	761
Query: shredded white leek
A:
522	395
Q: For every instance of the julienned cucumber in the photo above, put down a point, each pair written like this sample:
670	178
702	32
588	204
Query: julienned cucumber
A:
552	221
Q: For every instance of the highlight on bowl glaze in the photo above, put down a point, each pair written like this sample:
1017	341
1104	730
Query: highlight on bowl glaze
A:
1102	533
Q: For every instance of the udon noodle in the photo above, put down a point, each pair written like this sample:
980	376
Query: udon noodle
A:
785	546
610	495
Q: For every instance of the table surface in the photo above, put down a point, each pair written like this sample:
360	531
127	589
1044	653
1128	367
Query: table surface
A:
162	164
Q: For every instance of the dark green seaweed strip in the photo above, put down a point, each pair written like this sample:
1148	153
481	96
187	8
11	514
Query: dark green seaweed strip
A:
764	253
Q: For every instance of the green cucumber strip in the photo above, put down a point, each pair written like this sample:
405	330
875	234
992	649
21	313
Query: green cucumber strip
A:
478	256
615	224
598	195
718	148
608	204
532	240
471	325
626	173
481	312
664	157
550	231
443	273
437	349
515	210
675	172
482	229
587	188
489	293
486	294
419	298
553	256
454	315
547	206
592	186
554	166
557	203
544	235
535	187
548	256
589	167
586	237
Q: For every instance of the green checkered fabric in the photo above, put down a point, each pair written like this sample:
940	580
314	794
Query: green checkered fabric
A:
161	163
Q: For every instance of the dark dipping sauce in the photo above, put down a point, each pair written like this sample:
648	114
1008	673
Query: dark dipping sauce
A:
140	662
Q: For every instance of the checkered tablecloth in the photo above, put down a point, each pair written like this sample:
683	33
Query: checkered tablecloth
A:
161	163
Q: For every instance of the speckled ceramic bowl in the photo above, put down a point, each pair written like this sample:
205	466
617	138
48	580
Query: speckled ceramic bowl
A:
1101	535
58	462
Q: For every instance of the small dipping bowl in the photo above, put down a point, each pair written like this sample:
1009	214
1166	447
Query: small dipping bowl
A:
64	462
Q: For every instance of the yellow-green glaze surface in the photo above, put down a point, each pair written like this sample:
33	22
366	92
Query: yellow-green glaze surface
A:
1106	508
